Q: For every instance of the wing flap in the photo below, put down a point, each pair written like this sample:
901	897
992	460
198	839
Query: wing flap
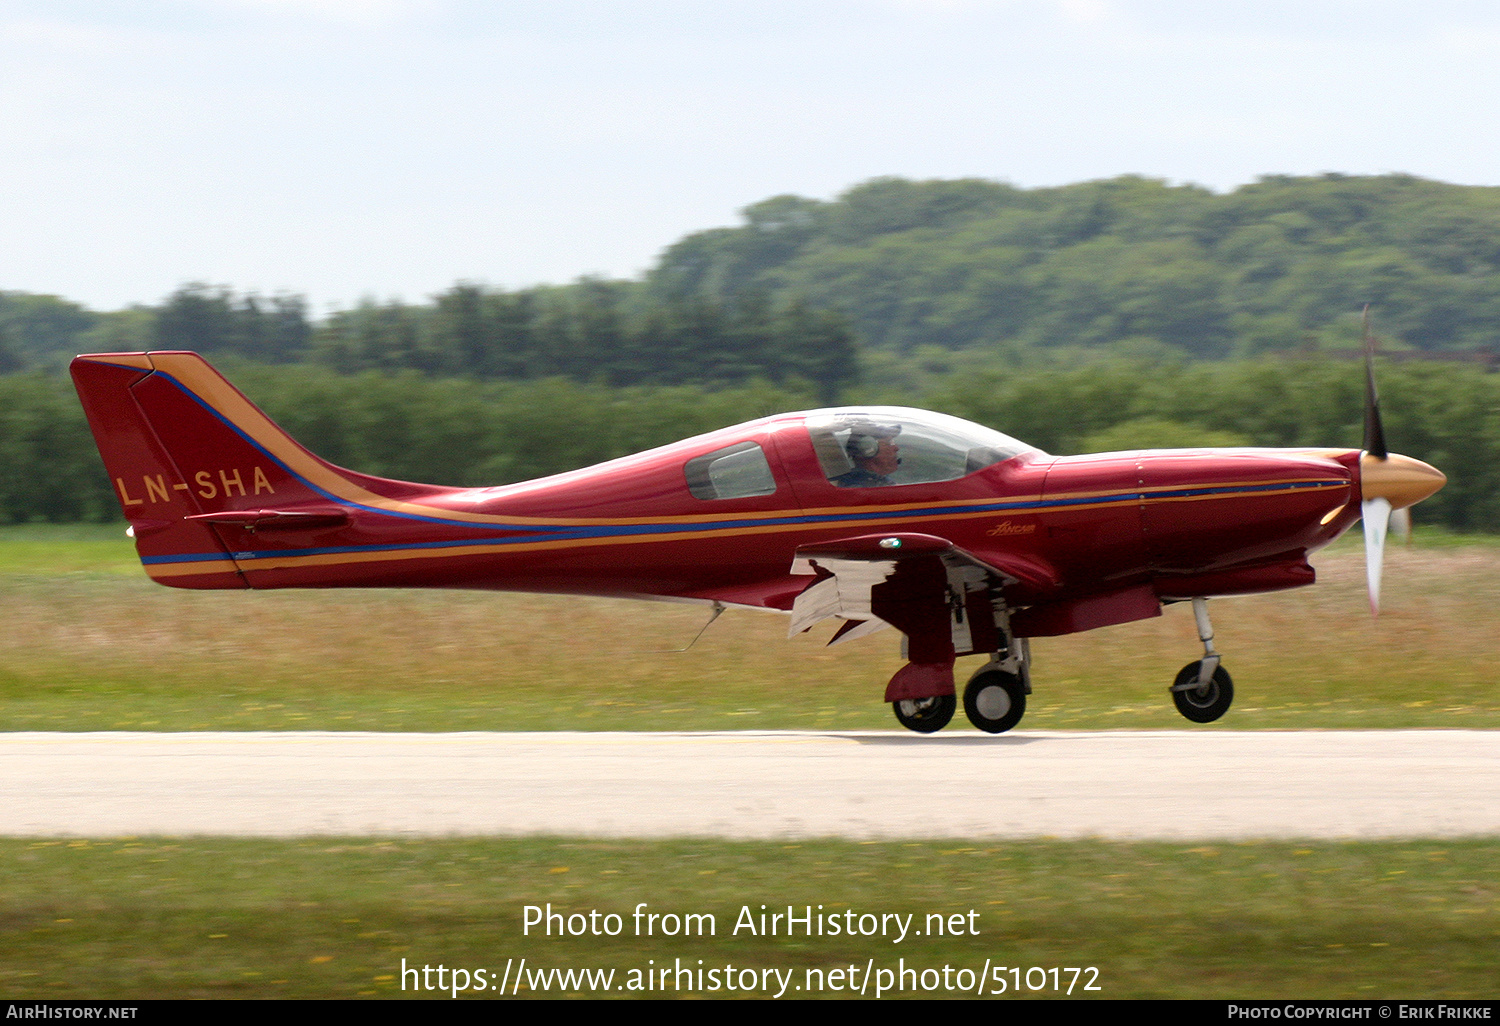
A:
843	589
914	582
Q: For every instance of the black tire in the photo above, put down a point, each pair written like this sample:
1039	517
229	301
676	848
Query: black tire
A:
925	715
1206	704
994	700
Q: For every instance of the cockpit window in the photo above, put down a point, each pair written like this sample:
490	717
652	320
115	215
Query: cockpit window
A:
891	445
734	472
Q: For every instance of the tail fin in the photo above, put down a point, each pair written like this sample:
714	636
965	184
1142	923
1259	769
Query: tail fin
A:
191	457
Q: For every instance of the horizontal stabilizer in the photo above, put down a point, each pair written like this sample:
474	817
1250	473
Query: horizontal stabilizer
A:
275	519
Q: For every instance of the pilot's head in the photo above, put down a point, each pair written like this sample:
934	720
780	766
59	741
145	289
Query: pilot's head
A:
873	448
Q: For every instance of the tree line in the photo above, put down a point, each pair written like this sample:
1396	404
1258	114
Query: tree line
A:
412	426
1127	265
590	331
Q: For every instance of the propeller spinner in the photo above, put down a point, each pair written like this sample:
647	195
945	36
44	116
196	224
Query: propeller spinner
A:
1389	483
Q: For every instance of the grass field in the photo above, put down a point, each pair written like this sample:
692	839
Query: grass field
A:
324	917
88	643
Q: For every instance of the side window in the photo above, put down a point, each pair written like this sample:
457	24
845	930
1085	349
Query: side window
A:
735	472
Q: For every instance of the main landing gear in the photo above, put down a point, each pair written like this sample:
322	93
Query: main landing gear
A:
994	698
1203	690
925	715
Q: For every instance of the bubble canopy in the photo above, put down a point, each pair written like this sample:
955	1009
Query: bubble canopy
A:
873	446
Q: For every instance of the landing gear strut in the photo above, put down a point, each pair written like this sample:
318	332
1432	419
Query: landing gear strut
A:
1203	690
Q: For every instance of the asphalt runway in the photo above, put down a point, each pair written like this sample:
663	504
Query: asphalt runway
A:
1168	785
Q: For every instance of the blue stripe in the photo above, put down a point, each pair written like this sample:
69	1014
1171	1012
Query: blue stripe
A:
529	534
197	557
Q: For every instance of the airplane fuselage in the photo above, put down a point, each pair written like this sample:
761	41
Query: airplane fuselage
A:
1091	539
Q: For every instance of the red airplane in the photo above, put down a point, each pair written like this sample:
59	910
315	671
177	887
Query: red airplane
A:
965	540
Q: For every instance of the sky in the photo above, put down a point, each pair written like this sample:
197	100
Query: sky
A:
389	148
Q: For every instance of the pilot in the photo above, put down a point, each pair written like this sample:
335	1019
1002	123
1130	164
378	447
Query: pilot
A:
875	455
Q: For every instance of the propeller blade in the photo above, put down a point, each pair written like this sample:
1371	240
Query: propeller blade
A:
1376	516
1374	429
1401	524
1388	484
1398	480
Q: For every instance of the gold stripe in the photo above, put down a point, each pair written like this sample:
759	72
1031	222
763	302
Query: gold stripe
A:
197	376
342	558
141	361
1152	500
1247	483
204	566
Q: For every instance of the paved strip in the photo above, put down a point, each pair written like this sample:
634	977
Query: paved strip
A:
1169	785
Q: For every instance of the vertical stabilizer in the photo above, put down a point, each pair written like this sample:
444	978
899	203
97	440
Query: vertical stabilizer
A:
190	459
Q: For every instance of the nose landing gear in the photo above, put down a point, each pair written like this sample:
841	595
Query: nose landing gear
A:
1203	690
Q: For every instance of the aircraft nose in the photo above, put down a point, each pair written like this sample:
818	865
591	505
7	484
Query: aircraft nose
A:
1400	480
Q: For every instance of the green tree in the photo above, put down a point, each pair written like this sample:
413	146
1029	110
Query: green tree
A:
43	330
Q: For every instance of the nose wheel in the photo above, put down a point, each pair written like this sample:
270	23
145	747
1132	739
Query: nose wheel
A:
1202	701
1203	690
